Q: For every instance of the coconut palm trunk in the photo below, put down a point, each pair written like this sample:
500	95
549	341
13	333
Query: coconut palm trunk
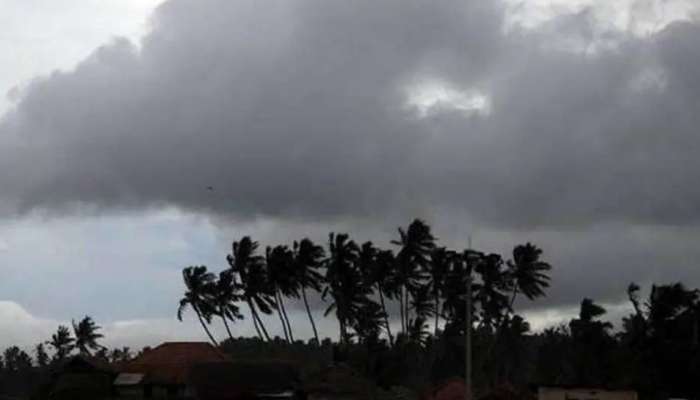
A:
204	325
406	308
437	313
286	318
228	330
255	319
260	323
308	311
386	315
279	313
401	310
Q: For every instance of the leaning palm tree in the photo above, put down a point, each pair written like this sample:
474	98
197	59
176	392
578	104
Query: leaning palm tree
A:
344	281
257	292
224	295
198	284
86	335
528	272
61	342
413	259
280	274
376	267
308	259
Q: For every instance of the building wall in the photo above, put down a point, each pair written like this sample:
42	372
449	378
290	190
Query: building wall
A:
553	393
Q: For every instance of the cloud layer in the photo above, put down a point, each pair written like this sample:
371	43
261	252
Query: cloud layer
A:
300	110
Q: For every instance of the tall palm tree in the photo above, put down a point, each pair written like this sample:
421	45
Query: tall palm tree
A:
376	267
224	295
61	342
198	284
257	291
384	277
421	303
440	266
308	259
281	276
413	259
344	281
491	293
86	335
369	321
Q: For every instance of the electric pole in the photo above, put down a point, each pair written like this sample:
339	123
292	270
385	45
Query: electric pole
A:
468	329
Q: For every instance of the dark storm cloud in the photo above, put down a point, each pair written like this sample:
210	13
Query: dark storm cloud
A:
293	110
298	110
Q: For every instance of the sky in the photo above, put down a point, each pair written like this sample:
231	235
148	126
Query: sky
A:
568	123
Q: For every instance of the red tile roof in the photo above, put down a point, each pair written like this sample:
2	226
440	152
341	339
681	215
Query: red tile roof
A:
170	362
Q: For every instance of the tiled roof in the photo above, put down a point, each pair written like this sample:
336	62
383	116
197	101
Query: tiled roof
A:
170	362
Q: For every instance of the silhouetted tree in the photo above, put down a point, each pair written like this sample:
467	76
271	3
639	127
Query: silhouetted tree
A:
441	265
281	274
42	358
412	260
257	291
16	359
344	281
62	343
198	284
86	335
592	345
308	259
224	295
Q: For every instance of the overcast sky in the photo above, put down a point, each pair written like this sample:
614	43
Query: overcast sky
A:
569	123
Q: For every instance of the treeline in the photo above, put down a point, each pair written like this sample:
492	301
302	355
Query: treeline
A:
401	314
21	371
361	283
655	351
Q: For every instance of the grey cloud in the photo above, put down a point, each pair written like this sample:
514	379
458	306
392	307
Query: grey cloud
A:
297	111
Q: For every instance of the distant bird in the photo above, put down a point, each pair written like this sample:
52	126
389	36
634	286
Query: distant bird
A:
210	188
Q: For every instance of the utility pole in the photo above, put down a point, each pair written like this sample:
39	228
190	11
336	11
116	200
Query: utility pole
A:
468	331
468	342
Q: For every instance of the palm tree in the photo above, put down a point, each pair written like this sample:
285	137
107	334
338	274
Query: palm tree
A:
42	359
413	259
198	283
369	321
61	342
86	335
344	281
257	291
384	277
422	304
440	267
280	274
224	295
308	258
491	292
376	267
528	272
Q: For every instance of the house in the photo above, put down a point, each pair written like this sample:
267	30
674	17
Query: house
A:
584	393
245	380
163	371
